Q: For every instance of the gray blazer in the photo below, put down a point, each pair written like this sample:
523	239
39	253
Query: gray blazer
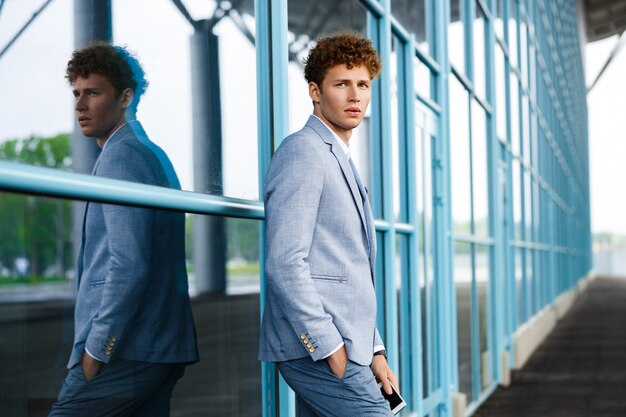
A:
133	299
319	262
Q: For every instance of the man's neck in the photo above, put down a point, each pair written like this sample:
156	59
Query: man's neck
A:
344	135
102	141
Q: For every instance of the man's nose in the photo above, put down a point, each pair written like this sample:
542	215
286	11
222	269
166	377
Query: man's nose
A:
354	95
80	102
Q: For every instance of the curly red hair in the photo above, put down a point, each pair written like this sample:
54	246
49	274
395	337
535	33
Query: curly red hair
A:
350	49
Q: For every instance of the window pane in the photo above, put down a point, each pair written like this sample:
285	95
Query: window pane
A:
406	316
517	200
482	287
499	22
526	129
480	187
463	287
528	199
459	157
478	27
500	107
202	80
425	272
423	79
23	74
38	292
519	286
515	125
456	36
307	22
523	33
413	15
398	136
513	32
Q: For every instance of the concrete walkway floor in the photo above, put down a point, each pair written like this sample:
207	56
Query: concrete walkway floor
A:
580	369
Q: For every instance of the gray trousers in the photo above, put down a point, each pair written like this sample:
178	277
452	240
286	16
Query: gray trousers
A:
322	394
121	388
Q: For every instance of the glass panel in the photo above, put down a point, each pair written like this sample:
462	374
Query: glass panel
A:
38	292
227	322
406	315
478	27
413	15
423	79
517	200
398	144
500	108
513	32
22	76
530	285
463	287
200	130
460	158
528	215
515	125
499	22
307	22
523	49
527	151
519	286
456	36
480	186
425	272
482	288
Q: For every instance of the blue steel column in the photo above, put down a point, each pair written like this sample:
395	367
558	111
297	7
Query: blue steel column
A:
92	22
209	232
496	217
443	247
273	119
512	295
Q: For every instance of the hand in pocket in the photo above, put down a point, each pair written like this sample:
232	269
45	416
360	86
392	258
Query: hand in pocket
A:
338	362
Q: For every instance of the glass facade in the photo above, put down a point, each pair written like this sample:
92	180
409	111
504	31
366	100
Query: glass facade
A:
474	156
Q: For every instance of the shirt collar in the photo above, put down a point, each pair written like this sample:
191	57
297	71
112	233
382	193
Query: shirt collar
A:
342	144
113	134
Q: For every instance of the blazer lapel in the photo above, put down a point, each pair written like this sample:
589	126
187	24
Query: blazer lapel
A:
322	130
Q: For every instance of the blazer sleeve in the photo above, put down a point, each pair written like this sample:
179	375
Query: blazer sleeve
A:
378	341
129	236
293	188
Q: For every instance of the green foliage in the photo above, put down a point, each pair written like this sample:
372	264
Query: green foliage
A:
53	152
36	228
243	239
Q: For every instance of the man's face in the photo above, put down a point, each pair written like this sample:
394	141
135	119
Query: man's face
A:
99	108
343	98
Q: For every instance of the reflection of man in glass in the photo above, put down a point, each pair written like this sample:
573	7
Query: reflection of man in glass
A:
319	323
134	330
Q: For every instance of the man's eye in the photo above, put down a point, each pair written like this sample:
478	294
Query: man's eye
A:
93	93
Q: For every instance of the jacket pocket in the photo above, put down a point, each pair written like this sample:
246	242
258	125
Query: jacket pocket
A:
330	278
96	283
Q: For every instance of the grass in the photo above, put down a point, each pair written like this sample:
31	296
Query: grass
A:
30	279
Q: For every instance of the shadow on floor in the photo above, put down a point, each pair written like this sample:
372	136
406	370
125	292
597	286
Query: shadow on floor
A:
580	369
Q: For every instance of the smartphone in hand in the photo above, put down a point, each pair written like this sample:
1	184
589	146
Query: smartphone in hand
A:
396	402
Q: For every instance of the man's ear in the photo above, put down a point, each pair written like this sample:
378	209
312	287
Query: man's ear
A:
314	92
127	97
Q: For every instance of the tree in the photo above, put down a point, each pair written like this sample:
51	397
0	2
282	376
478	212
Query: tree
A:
37	228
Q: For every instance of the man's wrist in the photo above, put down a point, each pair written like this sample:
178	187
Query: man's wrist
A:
381	352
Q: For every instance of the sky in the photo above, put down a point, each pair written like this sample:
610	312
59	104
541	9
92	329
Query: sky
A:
36	100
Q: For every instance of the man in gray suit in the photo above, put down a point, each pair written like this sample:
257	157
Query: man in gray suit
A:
319	322
134	329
